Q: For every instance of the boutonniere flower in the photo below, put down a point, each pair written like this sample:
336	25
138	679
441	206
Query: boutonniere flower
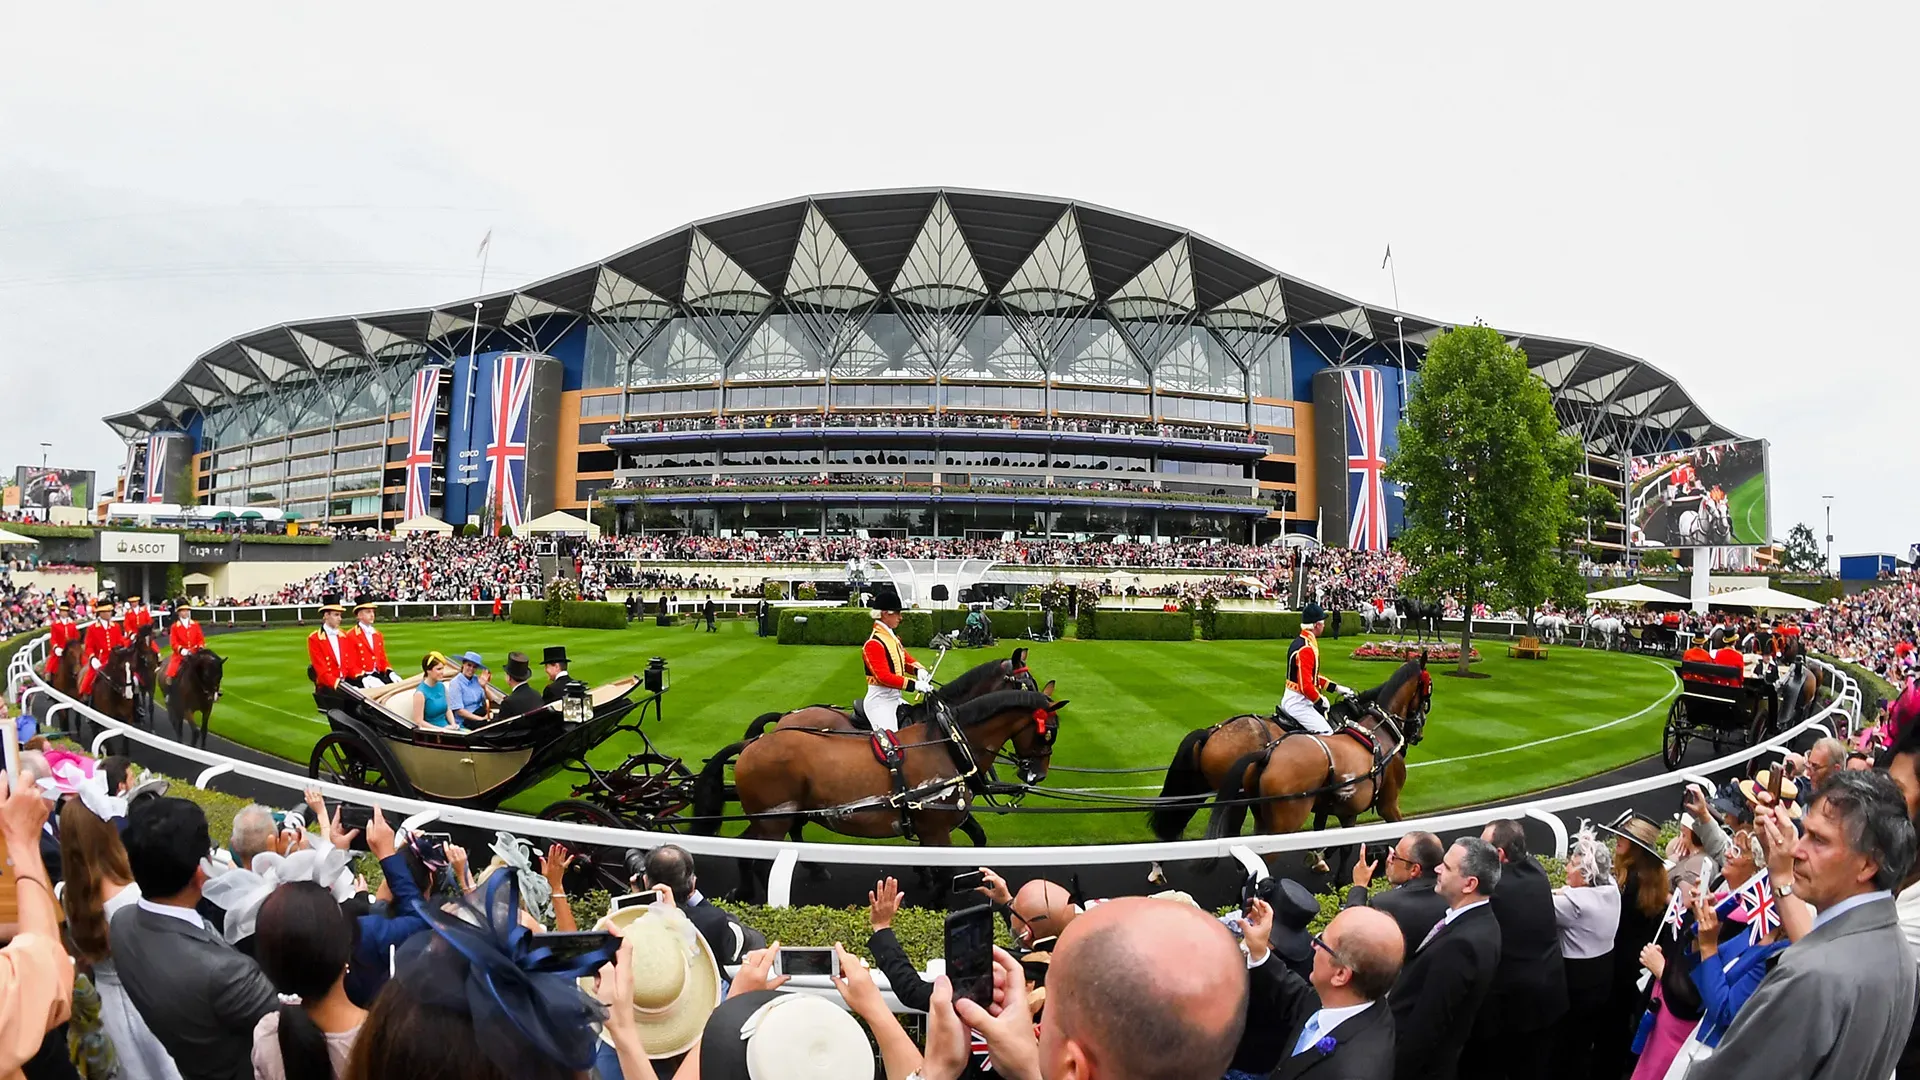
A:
1326	1045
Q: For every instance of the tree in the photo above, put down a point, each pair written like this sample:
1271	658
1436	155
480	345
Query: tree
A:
1801	552
1487	475
1658	559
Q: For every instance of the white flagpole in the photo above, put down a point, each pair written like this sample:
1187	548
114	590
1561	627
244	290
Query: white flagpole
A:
1399	324
473	346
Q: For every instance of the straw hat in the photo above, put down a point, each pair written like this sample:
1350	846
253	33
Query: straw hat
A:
1756	788
676	983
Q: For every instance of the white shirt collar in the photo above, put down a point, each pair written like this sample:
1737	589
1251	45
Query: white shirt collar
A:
185	915
1830	913
1454	913
1326	1020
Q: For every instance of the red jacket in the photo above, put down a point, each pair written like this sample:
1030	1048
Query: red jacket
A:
327	667
1303	666
185	637
369	649
135	618
101	639
887	660
61	633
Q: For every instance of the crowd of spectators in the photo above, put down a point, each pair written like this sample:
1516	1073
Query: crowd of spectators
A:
24	607
1771	935
423	568
1343	580
1875	628
1202	432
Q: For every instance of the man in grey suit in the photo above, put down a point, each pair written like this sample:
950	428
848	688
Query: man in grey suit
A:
1839	1001
200	996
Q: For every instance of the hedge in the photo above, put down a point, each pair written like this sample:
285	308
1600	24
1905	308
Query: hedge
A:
12	645
1242	625
1016	624
585	614
1340	623
1109	624
849	626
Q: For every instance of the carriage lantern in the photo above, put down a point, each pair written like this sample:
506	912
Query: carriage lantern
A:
656	675
573	706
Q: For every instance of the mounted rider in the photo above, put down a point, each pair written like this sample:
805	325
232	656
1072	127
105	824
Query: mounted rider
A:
887	662
62	631
102	636
1303	705
184	637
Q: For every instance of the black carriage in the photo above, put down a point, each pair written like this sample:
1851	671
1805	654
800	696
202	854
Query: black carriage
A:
373	746
1719	704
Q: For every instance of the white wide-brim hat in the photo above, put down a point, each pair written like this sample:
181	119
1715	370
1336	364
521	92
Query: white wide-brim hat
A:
676	982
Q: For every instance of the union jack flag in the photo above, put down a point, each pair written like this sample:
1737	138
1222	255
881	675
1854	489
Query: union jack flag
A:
1676	916
1757	907
507	441
156	487
419	459
1366	457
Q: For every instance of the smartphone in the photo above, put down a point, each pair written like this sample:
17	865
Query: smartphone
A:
969	954
354	819
806	961
567	948
1774	776
969	880
637	899
10	753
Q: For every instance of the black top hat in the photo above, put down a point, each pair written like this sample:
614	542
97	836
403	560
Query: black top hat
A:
1312	613
519	668
331	602
364	600
1293	908
66	605
554	654
886	600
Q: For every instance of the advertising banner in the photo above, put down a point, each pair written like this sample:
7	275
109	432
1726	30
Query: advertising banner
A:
43	488
139	547
1713	495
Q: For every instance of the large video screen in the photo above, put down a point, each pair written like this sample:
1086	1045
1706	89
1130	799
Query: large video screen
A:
1714	495
41	488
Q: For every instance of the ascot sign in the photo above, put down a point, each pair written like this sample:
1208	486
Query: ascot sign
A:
126	547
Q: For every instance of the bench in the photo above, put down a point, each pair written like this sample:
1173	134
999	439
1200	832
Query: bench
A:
1527	648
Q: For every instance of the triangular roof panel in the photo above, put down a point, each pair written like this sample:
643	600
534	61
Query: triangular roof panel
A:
524	307
940	271
1262	305
1163	287
716	283
823	271
1055	275
615	294
1555	372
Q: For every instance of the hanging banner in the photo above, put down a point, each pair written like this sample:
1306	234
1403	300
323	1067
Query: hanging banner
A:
419	459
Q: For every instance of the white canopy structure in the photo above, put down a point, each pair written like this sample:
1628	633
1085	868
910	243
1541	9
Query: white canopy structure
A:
1764	598
559	523
425	523
1636	594
13	539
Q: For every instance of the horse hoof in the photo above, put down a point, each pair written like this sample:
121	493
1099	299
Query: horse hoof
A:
1319	864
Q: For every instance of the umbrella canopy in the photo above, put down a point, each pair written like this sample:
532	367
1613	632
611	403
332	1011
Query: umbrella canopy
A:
250	515
223	515
1636	594
10	539
424	523
1764	598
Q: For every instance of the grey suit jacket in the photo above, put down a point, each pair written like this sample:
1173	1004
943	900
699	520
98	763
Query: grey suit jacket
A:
200	995
1836	1006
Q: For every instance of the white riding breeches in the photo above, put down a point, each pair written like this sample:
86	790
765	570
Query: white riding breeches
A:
883	708
1295	705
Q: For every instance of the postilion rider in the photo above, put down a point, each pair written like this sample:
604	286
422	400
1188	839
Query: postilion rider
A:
367	647
184	637
1304	704
102	636
887	663
62	632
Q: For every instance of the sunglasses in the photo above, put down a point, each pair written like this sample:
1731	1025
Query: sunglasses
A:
1321	944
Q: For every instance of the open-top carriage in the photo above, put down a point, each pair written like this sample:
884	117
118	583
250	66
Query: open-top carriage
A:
373	746
1721	702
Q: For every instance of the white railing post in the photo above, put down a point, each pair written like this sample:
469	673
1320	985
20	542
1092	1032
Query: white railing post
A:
780	878
1556	826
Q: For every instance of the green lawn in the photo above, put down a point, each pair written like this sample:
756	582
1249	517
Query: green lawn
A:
1532	725
1747	506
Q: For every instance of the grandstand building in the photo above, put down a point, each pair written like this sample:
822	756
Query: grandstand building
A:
932	362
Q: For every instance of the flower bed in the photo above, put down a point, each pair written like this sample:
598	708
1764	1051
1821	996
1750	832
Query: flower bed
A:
1401	651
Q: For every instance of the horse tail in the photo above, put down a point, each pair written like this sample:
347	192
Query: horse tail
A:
1229	805
1184	779
710	790
759	725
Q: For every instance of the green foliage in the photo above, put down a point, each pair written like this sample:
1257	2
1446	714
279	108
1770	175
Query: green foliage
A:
1240	625
1054	596
503	531
585	614
470	529
1110	624
807	591
1016	624
1825	590
1487	475
528	613
12	645
773	590
197	536
1801	552
176	581
1658	559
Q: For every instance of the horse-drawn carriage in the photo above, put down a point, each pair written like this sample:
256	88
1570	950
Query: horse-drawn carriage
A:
373	746
1722	700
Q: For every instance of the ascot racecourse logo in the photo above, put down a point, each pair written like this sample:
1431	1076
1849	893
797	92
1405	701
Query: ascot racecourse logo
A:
138	548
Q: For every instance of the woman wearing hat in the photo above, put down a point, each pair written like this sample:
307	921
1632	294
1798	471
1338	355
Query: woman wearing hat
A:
1302	701
887	662
430	705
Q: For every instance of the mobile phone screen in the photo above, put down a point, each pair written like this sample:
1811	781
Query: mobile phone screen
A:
10	744
568	947
639	899
807	961
969	954
968	880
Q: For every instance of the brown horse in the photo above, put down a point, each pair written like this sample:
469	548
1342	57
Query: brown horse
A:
987	678
64	675
124	688
835	778
1334	775
1201	763
194	689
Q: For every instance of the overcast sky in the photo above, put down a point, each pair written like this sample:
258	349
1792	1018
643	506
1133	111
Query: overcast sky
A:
1726	193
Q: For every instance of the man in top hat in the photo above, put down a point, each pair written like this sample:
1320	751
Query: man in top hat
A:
554	659
369	646
103	635
327	649
521	698
184	637
887	662
1302	702
62	631
135	617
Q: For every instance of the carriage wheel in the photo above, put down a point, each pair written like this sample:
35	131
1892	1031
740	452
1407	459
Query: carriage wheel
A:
344	758
594	866
1673	742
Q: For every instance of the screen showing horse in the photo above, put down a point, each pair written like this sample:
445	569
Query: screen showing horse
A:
1703	496
41	488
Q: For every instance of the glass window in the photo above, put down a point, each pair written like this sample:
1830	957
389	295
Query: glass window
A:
361	435
1280	444
991	349
359	459
593	406
1198	362
356	481
682	353
780	348
1097	354
1271	365
1278	416
307	466
264	473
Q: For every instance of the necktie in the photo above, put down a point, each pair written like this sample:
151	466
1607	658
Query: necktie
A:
1308	1035
1431	934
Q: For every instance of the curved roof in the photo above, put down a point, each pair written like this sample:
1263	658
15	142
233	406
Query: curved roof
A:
931	250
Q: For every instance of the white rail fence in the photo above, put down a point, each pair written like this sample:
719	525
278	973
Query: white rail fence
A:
1838	717
253	615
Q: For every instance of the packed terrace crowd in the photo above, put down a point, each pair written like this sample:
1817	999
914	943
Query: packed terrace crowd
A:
1875	628
924	419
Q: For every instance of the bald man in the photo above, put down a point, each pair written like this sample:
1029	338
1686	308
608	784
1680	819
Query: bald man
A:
1139	989
1333	1022
1040	912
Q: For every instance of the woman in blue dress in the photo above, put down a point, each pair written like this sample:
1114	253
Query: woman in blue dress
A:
430	697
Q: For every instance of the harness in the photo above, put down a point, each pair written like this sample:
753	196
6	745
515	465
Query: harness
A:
1380	751
907	799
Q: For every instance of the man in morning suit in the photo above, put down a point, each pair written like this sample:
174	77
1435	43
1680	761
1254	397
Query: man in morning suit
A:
522	698
1443	984
1840	1002
554	659
1512	1036
1335	1026
1412	901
